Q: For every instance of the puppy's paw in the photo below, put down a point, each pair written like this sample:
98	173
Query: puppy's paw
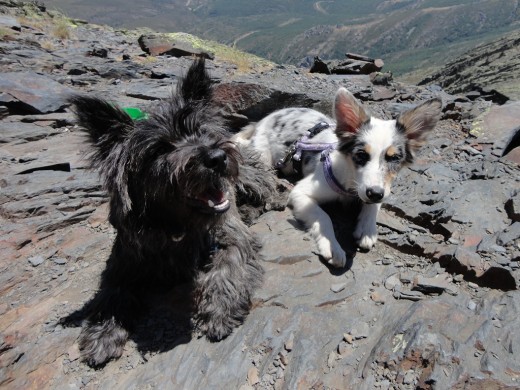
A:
367	242
332	252
102	341
366	235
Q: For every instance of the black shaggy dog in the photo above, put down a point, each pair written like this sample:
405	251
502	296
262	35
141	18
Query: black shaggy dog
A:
173	181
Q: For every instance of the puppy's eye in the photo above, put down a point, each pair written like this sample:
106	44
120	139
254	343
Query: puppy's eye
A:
361	157
394	158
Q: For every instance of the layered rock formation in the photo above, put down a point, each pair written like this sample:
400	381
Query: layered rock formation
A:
434	305
491	69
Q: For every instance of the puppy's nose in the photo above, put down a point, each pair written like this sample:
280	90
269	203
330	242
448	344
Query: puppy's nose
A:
375	194
216	159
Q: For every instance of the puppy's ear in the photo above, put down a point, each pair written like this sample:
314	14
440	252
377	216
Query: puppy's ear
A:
349	113
419	121
105	124
196	85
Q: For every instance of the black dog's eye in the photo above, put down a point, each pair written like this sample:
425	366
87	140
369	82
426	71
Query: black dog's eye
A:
361	157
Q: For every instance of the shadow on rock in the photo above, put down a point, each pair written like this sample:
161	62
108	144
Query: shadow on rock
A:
165	324
344	219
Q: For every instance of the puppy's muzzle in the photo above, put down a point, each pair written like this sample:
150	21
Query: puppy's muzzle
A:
375	194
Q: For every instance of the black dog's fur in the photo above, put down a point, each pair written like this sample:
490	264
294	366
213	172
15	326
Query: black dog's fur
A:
173	182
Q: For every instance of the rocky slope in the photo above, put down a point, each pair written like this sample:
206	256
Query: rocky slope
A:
407	33
433	306
492	66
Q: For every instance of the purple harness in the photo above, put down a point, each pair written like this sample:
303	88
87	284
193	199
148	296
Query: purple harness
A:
302	145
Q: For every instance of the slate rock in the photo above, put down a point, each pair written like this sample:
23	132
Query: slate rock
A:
35	261
513	142
161	44
244	102
509	235
19	132
318	66
512	207
34	93
10	22
444	217
497	124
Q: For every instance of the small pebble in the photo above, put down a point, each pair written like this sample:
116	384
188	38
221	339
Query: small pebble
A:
377	297
361	331
336	288
409	377
60	261
348	338
252	376
289	344
343	348
35	261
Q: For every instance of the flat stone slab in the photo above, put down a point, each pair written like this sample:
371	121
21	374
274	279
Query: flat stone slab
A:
496	125
35	93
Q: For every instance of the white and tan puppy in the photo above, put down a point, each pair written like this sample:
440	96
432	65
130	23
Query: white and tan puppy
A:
362	155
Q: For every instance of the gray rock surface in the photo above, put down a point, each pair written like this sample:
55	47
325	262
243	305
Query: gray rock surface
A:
490	69
435	305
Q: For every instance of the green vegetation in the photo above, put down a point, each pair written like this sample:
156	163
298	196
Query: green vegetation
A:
404	33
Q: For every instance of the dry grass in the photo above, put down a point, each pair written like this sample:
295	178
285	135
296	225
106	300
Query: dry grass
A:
53	23
244	62
33	22
146	60
48	45
61	29
4	32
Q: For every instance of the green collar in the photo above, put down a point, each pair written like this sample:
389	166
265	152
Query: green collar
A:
135	113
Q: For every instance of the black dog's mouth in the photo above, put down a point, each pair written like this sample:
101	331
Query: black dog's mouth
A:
212	201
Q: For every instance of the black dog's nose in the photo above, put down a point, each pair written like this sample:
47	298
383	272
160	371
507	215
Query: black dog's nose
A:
216	159
375	194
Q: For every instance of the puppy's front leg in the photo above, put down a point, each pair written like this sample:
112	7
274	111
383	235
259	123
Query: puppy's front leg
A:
307	210
366	229
224	289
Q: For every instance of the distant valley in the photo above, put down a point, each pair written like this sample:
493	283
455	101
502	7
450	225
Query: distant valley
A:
410	35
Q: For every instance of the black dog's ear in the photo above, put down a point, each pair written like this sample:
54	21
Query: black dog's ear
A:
105	124
196	85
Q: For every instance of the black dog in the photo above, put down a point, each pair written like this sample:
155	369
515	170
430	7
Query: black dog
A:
173	181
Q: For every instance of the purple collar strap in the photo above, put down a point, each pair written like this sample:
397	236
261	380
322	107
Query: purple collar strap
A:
303	144
329	175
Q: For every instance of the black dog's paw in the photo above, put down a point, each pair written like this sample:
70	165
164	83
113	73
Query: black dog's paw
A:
102	341
217	330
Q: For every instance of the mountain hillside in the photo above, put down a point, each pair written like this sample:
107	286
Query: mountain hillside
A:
495	65
434	305
406	33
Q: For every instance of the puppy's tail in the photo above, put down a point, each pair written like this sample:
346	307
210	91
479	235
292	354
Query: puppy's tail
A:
243	137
